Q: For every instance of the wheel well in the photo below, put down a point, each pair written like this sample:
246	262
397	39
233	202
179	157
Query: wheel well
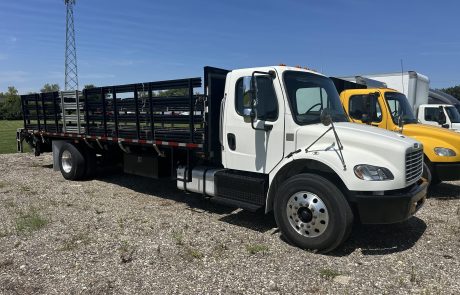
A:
302	166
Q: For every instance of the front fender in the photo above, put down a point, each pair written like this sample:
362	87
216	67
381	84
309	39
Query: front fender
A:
353	155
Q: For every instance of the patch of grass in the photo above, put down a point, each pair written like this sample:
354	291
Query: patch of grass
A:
25	189
257	248
75	241
121	222
2	184
30	221
178	238
328	273
192	253
126	252
8	136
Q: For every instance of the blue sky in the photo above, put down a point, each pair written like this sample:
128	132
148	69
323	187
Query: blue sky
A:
122	42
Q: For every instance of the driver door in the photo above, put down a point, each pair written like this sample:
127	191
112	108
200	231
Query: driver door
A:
243	147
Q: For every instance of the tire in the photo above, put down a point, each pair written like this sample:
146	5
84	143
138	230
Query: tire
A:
427	173
299	225
434	179
71	162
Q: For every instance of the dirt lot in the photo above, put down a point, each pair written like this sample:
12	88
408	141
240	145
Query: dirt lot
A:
126	234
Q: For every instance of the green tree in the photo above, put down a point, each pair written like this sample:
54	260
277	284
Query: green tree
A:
89	86
10	106
174	92
50	88
454	91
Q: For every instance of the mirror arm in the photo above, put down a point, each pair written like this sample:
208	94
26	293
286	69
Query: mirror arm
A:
265	128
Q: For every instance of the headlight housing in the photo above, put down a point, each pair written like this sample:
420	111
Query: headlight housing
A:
372	173
444	152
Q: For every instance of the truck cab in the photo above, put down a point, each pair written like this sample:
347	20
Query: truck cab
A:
440	115
389	109
275	130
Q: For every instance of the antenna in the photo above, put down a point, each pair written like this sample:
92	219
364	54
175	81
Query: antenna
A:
71	73
402	76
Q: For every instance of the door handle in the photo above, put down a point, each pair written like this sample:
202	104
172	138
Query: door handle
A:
231	139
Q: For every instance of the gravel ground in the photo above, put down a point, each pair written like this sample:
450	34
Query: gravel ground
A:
126	234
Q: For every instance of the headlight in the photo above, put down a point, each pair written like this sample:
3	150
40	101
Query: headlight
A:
444	152
372	173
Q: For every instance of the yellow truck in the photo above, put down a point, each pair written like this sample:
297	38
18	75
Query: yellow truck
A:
389	109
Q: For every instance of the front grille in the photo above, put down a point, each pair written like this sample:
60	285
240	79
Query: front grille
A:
414	165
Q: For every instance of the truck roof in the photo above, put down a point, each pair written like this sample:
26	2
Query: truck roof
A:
411	74
371	90
282	68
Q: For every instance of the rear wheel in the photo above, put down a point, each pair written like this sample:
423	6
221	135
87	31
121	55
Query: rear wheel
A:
71	162
312	213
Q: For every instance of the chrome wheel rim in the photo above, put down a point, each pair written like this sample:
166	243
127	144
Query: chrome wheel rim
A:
66	160
307	214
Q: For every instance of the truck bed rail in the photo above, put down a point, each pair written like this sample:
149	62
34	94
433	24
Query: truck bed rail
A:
141	113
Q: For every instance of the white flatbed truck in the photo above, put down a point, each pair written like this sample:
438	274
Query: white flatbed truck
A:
273	138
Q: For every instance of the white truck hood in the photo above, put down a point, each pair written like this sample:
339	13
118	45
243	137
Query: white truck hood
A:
362	144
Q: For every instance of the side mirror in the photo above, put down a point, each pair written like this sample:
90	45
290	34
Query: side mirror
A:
400	121
250	99
442	117
365	119
325	117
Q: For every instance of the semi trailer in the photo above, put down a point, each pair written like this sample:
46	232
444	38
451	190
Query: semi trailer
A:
268	138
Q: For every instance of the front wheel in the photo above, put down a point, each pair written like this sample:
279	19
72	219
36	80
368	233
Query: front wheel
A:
312	213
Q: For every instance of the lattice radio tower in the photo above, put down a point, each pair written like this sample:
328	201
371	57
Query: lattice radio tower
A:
71	73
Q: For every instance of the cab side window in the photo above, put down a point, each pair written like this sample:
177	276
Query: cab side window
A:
267	106
362	105
432	114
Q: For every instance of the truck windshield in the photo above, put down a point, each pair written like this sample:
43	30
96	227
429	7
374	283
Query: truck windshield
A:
398	105
309	94
453	114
